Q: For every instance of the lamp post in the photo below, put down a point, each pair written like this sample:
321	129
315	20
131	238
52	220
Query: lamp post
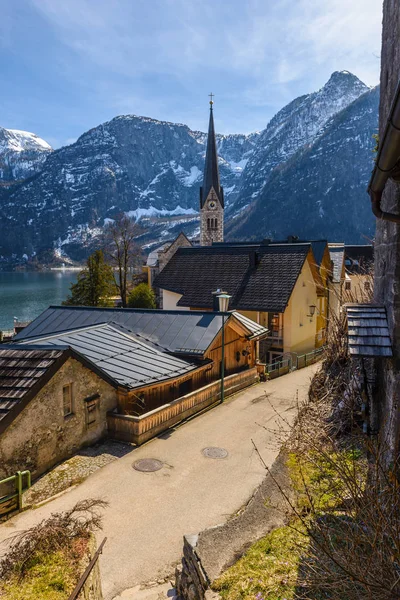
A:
223	303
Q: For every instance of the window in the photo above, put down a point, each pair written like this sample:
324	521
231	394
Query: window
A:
68	400
91	409
347	285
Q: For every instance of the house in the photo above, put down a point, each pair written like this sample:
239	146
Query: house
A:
277	285
359	262
158	258
75	375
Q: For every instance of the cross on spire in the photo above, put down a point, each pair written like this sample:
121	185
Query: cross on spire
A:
211	99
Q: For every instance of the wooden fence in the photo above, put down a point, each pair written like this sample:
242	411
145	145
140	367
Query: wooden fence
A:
11	490
140	429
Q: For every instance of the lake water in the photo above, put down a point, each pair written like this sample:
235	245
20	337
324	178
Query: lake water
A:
26	294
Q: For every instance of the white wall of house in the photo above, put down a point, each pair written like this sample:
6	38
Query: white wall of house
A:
170	301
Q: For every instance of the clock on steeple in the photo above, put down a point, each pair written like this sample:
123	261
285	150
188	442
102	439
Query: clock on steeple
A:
211	193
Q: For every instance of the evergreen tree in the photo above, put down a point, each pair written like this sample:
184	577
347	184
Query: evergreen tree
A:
95	284
142	296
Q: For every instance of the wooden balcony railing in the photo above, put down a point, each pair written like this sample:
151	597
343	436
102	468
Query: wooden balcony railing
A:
140	429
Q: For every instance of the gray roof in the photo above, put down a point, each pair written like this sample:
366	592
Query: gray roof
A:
337	257
174	331
258	278
124	358
368	331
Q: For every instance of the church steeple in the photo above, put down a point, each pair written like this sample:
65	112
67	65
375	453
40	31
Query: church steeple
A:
211	170
211	193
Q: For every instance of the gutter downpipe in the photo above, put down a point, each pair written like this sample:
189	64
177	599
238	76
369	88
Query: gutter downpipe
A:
386	161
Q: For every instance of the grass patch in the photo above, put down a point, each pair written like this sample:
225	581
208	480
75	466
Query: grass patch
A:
48	577
268	570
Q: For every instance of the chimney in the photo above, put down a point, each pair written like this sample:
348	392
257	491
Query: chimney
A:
253	259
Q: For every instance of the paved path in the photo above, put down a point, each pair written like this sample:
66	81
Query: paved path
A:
149	513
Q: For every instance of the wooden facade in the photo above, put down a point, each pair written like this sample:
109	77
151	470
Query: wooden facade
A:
139	429
240	355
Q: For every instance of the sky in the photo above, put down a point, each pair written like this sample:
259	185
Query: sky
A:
68	65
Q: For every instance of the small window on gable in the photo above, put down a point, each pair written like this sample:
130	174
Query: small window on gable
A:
347	285
68	399
216	224
208	223
91	409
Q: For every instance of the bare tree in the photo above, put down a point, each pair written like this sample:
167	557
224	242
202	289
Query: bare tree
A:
122	251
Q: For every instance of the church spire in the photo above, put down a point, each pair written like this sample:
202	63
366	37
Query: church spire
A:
211	194
211	171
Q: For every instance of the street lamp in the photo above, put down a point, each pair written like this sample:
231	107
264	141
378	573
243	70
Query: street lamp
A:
223	303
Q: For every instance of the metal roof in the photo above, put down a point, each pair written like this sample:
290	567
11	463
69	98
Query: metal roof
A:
368	331
256	329
123	357
169	330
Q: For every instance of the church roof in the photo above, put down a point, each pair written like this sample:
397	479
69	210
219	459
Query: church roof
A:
258	278
211	170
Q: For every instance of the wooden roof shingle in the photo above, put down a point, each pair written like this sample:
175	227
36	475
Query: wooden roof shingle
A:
368	330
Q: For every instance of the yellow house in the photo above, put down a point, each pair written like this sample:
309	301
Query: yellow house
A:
279	285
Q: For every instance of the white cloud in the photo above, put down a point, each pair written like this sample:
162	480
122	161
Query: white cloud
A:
148	54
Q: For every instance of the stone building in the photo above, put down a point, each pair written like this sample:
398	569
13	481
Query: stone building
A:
211	193
386	207
77	374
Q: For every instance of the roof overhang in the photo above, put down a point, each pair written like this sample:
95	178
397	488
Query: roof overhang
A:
368	331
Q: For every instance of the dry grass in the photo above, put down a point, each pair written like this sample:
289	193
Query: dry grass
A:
343	533
44	561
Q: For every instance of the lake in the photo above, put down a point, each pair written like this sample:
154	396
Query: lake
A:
26	294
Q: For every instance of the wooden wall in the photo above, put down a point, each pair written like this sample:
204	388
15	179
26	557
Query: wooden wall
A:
143	400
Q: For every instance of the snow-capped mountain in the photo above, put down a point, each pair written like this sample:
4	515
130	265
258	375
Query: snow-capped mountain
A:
22	154
321	190
296	125
138	165
152	170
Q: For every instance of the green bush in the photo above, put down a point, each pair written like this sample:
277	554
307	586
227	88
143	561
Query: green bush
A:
142	296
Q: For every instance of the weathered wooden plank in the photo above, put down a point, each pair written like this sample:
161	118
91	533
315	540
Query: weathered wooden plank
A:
367	322
368	331
370	351
377	341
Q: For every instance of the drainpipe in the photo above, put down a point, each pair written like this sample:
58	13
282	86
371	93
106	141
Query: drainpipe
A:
386	165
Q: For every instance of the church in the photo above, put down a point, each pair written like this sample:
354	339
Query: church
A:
211	193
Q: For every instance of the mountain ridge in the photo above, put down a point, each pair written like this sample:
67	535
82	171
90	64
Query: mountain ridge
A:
152	170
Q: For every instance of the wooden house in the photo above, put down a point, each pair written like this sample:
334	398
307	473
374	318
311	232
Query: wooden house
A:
76	375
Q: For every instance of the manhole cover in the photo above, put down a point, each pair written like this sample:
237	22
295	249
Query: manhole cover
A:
214	452
148	465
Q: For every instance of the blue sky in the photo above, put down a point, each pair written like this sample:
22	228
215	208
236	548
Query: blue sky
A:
69	65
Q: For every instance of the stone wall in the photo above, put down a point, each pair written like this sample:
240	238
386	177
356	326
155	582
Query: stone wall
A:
208	554
92	590
164	257
387	245
40	436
